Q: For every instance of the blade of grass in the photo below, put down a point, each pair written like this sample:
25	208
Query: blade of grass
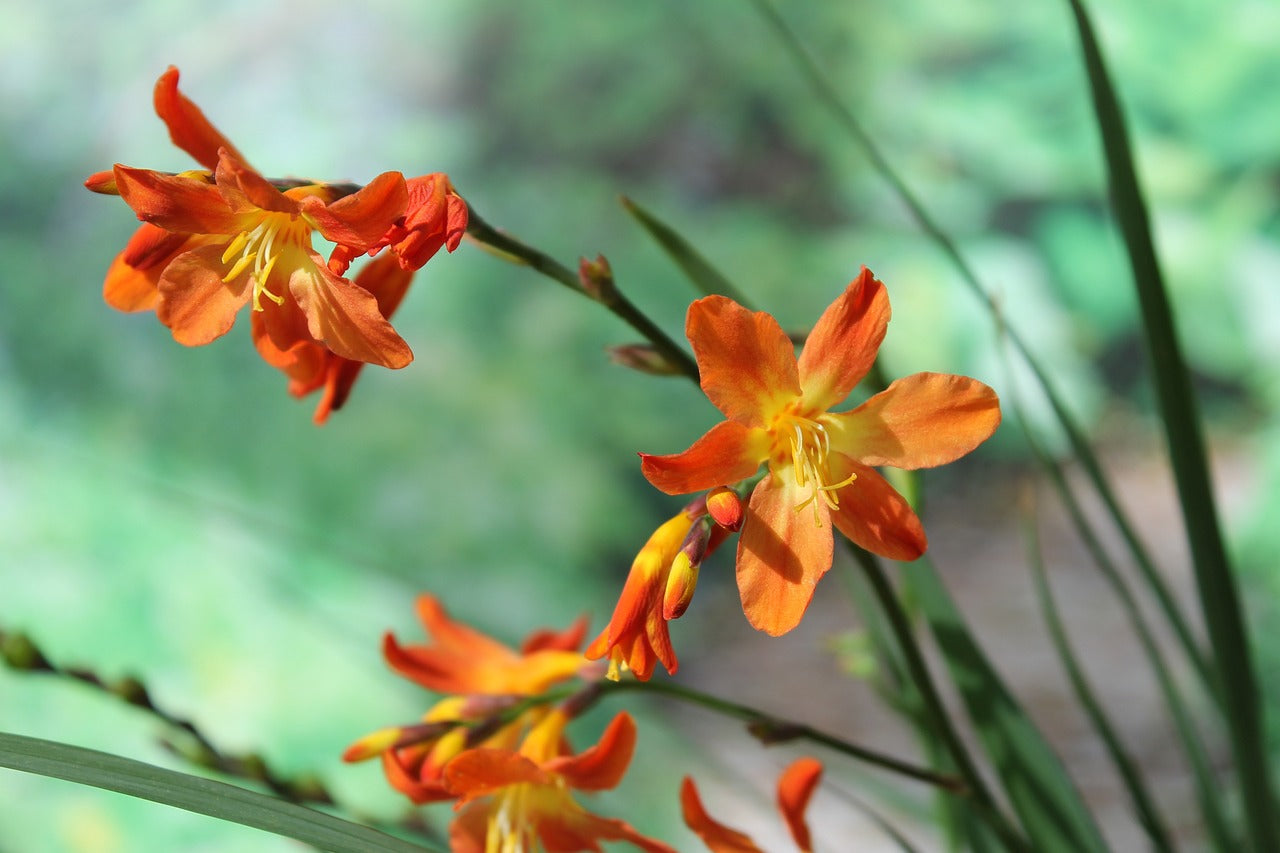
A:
1208	791
695	266
1219	597
194	794
1147	812
1075	434
1041	792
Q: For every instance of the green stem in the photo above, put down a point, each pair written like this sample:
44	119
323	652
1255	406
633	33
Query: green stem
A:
613	299
771	729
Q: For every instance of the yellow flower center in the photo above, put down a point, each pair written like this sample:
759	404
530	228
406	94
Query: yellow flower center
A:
261	247
804	443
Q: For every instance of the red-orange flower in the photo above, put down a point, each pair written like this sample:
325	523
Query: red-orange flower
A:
520	800
215	240
487	678
795	787
819	463
637	638
253	245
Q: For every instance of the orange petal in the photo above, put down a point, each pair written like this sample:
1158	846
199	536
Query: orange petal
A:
919	421
244	189
727	453
746	363
346	317
359	220
545	639
843	345
795	787
134	276
188	128
570	829
782	553
183	203
194	302
600	767
874	515
718	837
450	634
478	772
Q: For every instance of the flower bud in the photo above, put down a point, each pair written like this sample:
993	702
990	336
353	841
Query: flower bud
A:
725	506
683	578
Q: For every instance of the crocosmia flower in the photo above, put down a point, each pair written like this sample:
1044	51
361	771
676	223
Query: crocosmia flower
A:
519	801
821	464
486	678
219	238
795	788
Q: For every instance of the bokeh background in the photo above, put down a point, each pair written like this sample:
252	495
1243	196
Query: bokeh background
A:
172	513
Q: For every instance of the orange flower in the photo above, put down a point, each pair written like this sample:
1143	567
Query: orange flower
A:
819	463
795	787
488	677
252	243
520	801
214	240
637	638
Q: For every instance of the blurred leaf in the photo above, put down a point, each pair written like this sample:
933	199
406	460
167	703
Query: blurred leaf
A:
698	269
195	794
1219	596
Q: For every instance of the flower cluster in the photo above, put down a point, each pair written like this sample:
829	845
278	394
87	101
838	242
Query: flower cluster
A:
508	766
222	237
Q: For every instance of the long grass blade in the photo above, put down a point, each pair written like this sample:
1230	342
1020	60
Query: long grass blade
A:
704	276
1219	596
195	794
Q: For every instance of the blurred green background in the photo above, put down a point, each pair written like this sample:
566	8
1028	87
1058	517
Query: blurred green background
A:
173	513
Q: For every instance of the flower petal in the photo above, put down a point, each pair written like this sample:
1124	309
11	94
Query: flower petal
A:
746	363
359	220
477	772
874	515
727	453
186	203
843	345
188	127
718	837
346	317
134	276
600	767
246	190
196	305
919	421
795	787
782	553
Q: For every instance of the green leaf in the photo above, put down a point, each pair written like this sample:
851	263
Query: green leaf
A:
1038	787
1219	596
706	278
195	794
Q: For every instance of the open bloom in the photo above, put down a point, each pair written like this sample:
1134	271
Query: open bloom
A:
795	787
486	678
820	463
217	239
519	801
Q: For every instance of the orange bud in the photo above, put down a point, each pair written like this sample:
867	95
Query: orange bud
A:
102	182
683	577
725	506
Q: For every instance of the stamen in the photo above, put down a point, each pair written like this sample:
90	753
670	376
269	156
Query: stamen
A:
810	448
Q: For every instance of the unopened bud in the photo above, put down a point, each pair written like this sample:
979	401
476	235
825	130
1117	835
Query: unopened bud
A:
644	358
683	577
597	279
725	506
